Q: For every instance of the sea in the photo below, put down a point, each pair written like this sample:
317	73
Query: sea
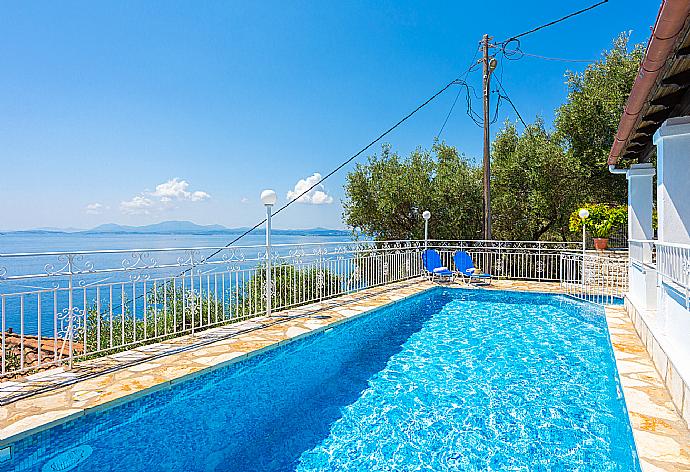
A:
45	241
20	252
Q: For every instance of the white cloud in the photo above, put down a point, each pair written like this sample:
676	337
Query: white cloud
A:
315	196
244	200
95	208
164	197
198	195
139	205
176	189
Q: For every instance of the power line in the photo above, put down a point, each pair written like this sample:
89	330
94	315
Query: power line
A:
438	135
498	104
500	84
474	116
473	63
551	23
489	65
343	164
509	53
537	56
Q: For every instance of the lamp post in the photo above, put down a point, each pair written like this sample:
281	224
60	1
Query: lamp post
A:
583	214
268	198
426	215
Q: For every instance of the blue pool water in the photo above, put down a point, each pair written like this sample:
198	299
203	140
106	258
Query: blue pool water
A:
447	380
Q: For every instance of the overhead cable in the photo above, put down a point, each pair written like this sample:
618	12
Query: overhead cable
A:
551	23
500	84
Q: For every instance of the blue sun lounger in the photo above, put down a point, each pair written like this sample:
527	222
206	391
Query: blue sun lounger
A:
433	265
465	267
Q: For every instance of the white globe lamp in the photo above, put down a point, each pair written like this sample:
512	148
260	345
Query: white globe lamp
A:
269	197
583	214
426	215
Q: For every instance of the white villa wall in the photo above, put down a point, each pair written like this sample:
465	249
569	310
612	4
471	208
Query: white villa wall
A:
670	359
674	320
664	324
673	206
673	184
642	288
641	276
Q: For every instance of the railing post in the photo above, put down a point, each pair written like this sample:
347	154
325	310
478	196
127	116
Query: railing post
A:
684	253
647	248
70	308
191	281
426	234
582	272
426	215
320	276
268	198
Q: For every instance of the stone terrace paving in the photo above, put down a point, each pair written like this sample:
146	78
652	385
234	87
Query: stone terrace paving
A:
38	401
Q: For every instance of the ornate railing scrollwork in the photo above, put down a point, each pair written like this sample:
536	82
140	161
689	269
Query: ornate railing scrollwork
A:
139	260
138	266
190	258
69	264
70	325
233	259
539	266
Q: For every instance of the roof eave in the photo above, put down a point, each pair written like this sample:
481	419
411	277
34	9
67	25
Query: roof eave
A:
670	22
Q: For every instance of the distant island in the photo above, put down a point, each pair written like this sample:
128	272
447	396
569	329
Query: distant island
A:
183	227
163	227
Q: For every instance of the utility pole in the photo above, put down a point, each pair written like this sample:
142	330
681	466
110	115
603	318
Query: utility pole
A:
488	67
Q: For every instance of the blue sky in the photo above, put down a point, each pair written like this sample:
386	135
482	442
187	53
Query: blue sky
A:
138	112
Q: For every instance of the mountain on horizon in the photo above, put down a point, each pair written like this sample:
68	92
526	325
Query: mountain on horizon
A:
162	227
53	229
181	227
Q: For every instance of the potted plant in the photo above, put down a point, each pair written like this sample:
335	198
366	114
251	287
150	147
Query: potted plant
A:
602	220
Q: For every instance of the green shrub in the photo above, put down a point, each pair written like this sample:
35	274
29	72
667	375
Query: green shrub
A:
602	220
292	287
171	311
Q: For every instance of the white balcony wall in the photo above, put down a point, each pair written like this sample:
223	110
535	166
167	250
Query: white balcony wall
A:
642	274
673	184
659	293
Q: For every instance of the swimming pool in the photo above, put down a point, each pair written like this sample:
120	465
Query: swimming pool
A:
450	379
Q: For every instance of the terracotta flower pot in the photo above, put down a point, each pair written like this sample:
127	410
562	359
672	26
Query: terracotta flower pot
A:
600	244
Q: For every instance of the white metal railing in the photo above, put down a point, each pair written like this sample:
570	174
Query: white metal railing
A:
673	266
599	278
642	251
671	261
522	260
57	307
